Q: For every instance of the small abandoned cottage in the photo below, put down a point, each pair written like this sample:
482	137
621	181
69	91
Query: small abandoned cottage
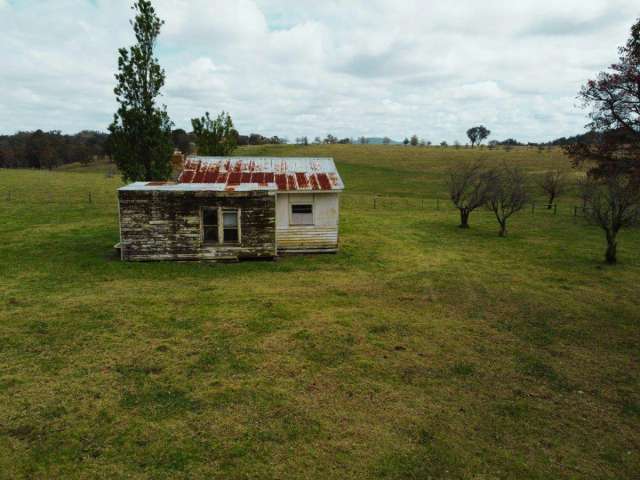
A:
233	208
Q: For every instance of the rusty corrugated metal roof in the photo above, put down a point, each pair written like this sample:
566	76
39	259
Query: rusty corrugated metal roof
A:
249	173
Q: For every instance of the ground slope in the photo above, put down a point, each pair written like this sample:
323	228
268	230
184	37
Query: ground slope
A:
419	351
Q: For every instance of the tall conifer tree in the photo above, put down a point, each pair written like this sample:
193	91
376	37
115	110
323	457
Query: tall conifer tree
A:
141	129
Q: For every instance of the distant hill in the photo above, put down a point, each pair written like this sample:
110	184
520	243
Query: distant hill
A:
380	141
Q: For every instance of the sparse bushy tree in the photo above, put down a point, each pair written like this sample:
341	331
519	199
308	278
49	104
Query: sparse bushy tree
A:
469	185
507	194
554	183
612	203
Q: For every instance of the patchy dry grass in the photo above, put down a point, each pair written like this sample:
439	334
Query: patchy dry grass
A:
419	351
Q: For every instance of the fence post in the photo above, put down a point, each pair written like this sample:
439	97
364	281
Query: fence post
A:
374	202
8	195
437	204
533	208
555	208
90	200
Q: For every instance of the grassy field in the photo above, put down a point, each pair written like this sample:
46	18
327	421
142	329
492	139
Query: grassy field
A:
419	351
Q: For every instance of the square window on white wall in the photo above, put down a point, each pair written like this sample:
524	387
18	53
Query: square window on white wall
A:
302	214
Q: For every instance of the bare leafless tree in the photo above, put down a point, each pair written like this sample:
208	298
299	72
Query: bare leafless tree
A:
468	188
612	203
554	183
508	193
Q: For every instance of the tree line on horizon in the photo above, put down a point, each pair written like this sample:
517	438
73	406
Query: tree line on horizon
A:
51	149
47	150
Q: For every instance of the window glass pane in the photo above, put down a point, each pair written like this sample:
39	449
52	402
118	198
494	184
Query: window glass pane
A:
230	235
230	219
302	214
210	234
302	219
301	209
210	216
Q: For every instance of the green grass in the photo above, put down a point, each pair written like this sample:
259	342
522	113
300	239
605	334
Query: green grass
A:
419	351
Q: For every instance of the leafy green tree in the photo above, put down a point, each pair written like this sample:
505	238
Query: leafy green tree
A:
141	130
477	135
215	137
414	140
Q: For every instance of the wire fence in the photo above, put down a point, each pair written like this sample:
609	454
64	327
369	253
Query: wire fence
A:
350	201
441	204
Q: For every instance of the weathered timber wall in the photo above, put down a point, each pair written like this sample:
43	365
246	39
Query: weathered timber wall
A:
157	225
307	239
322	236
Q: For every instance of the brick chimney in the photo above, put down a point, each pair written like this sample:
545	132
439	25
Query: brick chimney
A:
177	163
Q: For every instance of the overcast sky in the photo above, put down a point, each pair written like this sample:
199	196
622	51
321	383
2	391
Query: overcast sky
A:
296	67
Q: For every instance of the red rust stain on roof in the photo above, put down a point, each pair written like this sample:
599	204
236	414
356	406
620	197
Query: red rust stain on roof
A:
210	176
281	181
222	178
258	177
291	182
186	176
301	178
324	181
241	172
234	178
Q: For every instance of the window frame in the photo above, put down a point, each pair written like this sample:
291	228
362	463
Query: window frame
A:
203	226
220	211
298	204
222	228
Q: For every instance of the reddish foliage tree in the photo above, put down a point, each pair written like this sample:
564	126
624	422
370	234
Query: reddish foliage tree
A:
611	193
614	99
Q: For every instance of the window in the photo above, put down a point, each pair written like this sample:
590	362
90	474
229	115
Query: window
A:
230	223
220	225
302	214
210	225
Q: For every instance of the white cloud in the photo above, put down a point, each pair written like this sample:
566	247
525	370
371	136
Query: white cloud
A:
377	67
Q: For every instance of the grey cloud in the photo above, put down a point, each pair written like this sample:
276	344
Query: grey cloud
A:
380	67
570	25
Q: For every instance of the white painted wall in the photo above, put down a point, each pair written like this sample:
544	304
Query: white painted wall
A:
326	208
322	235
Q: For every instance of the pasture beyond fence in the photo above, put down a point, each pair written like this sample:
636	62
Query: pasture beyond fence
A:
349	201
